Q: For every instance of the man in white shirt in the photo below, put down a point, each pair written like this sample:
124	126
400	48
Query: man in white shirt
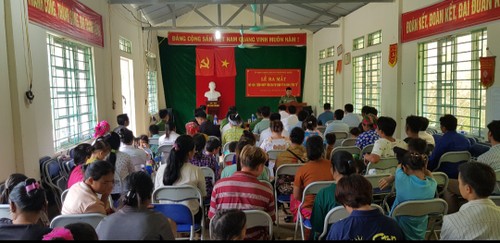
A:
423	134
283	113
479	218
138	156
351	119
292	119
337	125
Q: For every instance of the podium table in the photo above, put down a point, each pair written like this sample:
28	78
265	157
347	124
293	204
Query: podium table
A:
297	105
213	107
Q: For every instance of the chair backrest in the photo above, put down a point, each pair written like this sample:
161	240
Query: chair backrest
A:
90	218
479	148
226	147
321	129
431	207
351	149
442	182
496	200
259	218
338	213
385	165
177	193
328	122
153	141
208	172
374	179
4	211
314	187
348	142
453	157
62	183
228	159
367	149
164	150
340	135
63	195
179	213
273	154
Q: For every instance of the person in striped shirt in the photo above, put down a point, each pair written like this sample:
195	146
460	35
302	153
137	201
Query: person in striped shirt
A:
244	191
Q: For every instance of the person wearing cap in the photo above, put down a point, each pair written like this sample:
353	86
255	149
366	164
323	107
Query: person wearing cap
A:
369	135
234	133
288	97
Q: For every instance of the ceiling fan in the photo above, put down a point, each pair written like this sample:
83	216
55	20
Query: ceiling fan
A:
255	27
241	45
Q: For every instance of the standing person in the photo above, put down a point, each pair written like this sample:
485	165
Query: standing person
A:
413	182
178	171
451	141
288	97
123	122
479	218
135	219
369	135
243	190
229	225
316	169
342	165
83	196
355	193
351	119
138	156
164	119
327	114
122	164
27	203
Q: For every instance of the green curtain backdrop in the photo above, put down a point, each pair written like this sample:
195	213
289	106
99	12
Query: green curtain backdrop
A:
178	74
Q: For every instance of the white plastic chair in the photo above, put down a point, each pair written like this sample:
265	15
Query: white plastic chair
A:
338	213
176	194
286	169
165	149
351	149
91	218
453	157
348	142
312	188
228	160
384	165
254	218
4	211
367	149
442	182
273	155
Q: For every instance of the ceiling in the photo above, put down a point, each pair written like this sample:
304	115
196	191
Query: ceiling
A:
311	15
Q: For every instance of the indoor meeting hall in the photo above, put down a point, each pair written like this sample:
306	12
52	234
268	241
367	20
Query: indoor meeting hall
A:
249	120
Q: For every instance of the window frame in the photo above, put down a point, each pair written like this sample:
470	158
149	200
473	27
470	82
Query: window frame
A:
326	71
365	76
358	43
152	92
371	38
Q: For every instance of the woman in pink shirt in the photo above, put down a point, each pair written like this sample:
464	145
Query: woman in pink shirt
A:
85	154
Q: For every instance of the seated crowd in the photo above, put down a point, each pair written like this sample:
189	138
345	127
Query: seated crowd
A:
117	173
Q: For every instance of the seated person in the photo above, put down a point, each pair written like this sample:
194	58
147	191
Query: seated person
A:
200	159
81	153
230	170
10	183
73	231
384	145
479	218
330	144
355	193
27	201
229	225
146	224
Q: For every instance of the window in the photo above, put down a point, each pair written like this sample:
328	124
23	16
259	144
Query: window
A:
375	38
322	54
152	93
367	80
72	92
448	80
125	45
330	52
358	43
326	87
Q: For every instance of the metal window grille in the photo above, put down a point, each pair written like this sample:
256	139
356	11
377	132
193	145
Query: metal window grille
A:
375	38
72	92
367	79
322	54
358	43
449	80
152	93
125	45
326	77
330	52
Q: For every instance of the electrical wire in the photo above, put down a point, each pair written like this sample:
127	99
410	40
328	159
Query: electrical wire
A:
28	60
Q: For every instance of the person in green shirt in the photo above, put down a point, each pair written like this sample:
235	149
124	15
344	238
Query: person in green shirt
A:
288	97
259	118
342	165
164	117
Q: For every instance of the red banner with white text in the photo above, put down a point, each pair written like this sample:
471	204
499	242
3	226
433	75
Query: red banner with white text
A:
234	39
446	16
487	71
272	82
69	17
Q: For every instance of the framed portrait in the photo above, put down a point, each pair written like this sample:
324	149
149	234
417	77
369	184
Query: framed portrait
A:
347	58
340	49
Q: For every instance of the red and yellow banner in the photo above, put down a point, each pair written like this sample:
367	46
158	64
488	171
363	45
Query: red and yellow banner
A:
446	16
204	62
225	65
393	54
234	39
487	71
272	82
69	17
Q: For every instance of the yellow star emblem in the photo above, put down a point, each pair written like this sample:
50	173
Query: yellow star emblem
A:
225	63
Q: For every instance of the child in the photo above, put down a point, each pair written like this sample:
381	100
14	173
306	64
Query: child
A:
229	225
354	132
384	145
330	141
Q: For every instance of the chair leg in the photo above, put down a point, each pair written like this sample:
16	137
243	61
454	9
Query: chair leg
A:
295	232
301	226
191	233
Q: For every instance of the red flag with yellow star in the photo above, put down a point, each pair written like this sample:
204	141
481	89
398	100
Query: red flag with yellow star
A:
224	62
204	62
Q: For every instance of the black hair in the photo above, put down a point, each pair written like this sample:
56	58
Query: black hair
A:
481	177
200	113
250	136
343	163
417	145
413	123
349	108
425	123
121	119
81	152
449	122
494	128
169	126
239	147
275	116
330	138
28	196
265	111
288	88
232	146
154	129
10	183
163	113
228	224
310	123
212	144
365	110
113	139
355	131
199	144
126	136
387	125
373	110
297	135
82	231
327	106
140	188
235	117
292	109
98	169
303	114
178	155
354	191
314	147
144	138
339	114
415	161
282	107
276	126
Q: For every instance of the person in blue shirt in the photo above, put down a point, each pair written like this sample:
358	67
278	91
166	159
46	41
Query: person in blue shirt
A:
450	141
413	182
355	193
327	115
